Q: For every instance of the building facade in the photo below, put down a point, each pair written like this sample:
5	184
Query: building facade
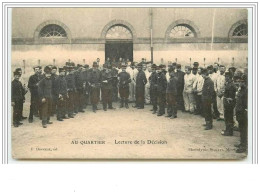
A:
185	35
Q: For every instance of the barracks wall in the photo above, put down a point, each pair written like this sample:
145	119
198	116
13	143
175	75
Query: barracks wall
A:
86	29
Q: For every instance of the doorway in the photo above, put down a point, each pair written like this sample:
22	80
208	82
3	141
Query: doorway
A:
119	49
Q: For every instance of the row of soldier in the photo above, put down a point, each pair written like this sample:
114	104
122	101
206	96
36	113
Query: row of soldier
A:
210	92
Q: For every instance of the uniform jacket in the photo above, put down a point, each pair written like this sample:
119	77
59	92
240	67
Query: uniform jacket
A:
241	102
172	86
153	81
230	92
208	89
17	91
220	85
189	79
214	77
45	88
61	85
32	84
94	78
70	82
161	82
107	76
124	79
141	79
180	83
78	80
198	84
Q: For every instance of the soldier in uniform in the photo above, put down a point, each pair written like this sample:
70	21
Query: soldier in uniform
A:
61	93
107	87
124	80
161	90
94	81
171	93
180	86
140	87
17	99
197	89
241	112
71	88
54	76
79	83
33	87
133	72
114	73
45	95
207	97
85	73
153	88
229	104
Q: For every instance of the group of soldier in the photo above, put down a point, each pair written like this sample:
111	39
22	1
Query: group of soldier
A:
214	92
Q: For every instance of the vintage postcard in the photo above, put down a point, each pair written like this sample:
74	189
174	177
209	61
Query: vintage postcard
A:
129	83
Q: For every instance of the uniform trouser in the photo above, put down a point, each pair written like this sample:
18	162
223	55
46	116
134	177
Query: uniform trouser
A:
207	110
34	107
94	96
139	96
132	91
124	94
180	101
189	101
229	115
242	125
153	97
62	107
54	105
78	100
147	93
172	104
115	92
215	107
21	110
17	111
70	102
161	100
220	105
198	104
107	95
46	110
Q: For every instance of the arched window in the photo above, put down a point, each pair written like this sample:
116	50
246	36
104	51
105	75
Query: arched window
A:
119	32
52	31
182	31
240	31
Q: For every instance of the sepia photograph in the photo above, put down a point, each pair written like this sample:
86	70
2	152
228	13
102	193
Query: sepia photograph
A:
129	83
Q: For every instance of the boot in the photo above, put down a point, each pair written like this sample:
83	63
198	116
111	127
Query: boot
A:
94	108
121	103
208	125
228	131
104	107
126	104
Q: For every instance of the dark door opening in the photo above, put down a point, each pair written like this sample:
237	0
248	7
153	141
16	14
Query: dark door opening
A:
115	50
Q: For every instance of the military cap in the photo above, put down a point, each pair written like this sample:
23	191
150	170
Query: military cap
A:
195	65
40	67
16	73
174	64
47	69
18	69
36	67
54	67
229	74
221	65
201	68
139	65
72	64
204	71
67	63
210	67
178	65
61	70
95	64
79	65
162	66
86	66
188	67
154	66
232	68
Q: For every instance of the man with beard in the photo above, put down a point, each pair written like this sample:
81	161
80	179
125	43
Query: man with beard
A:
153	88
45	95
94	82
140	87
33	87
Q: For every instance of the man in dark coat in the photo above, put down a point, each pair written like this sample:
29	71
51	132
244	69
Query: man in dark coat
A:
84	75
94	82
61	94
45	95
153	87
171	93
180	86
17	99
207	98
229	104
140	87
114	73
124	80
33	87
54	76
161	90
79	83
107	87
71	88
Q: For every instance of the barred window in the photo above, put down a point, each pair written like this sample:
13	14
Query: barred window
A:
240	31
182	31
52	31
119	32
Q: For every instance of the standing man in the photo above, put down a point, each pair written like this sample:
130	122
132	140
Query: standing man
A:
161	90
147	86
107	87
124	80
61	95
229	104
45	95
220	88
71	88
153	88
140	87
114	73
17	98
54	76
85	75
188	95
207	96
33	87
180	86
197	89
171	93
94	82
133	72
79	82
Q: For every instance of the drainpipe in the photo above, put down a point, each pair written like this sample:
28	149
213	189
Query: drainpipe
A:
151	33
